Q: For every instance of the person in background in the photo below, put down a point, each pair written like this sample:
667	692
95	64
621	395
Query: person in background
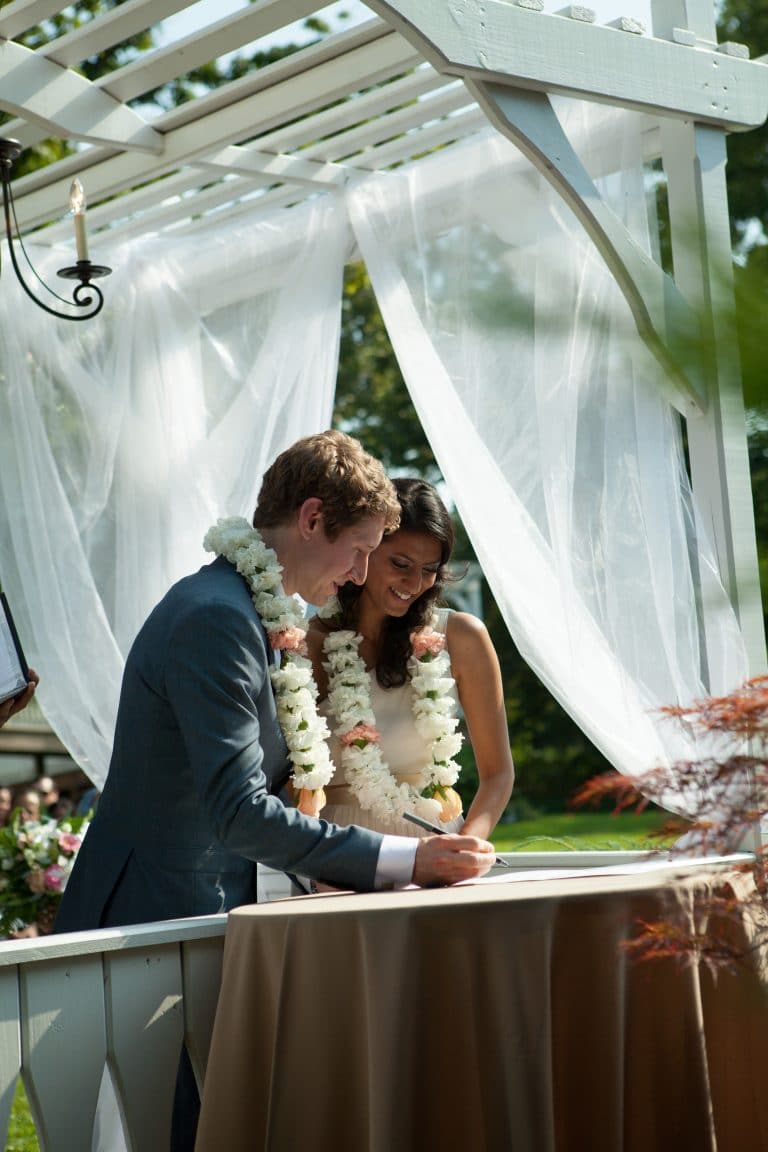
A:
48	791
28	800
63	808
6	805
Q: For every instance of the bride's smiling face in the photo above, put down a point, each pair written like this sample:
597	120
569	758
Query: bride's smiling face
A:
403	567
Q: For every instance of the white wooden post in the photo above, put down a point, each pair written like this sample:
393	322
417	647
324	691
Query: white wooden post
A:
694	159
10	1044
62	998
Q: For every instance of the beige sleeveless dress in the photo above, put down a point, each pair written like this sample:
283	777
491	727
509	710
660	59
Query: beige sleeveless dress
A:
403	749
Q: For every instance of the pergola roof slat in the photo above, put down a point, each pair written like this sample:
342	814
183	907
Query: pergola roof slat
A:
17	18
289	98
65	102
108	30
329	129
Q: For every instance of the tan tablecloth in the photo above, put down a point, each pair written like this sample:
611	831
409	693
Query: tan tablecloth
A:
501	1017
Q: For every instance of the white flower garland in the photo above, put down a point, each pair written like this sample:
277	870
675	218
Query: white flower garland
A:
367	773
305	731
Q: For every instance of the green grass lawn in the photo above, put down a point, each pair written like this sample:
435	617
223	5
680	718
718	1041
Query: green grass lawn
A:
586	831
21	1130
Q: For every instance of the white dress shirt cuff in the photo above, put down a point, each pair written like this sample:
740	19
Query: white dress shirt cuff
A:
397	858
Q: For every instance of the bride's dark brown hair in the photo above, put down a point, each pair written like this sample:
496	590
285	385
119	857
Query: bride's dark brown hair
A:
421	510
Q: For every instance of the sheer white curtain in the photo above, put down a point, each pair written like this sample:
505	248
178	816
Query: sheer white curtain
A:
544	412
123	438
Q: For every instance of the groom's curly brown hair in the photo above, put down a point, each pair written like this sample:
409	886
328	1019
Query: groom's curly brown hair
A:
335	468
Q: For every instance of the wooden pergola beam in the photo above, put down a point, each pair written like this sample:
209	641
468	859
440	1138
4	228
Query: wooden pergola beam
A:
502	41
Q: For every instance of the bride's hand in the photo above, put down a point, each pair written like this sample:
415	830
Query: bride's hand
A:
448	859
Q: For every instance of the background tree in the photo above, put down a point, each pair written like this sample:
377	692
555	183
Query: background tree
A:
746	21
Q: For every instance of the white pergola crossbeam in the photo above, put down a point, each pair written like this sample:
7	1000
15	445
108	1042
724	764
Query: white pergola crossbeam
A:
277	168
500	41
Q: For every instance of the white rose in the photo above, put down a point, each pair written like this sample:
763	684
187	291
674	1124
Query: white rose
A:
427	808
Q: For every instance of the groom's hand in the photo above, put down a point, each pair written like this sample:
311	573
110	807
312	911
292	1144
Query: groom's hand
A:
449	859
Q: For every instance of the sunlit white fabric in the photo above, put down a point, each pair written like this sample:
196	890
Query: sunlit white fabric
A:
545	413
123	438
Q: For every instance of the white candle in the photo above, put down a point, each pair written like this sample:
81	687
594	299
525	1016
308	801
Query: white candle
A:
77	207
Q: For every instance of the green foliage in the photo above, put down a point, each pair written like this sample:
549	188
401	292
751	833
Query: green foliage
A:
372	401
751	285
36	858
746	21
21	1130
583	831
552	755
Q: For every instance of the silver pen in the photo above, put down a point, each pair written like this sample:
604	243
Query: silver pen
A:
429	827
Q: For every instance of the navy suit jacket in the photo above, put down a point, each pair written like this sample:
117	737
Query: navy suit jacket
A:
190	802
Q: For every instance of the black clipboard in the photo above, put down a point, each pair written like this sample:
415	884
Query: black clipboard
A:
14	671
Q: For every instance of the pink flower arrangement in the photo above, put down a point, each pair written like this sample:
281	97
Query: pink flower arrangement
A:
36	880
427	643
365	733
55	878
36	858
289	640
68	842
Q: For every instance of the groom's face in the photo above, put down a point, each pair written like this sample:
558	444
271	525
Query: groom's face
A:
327	564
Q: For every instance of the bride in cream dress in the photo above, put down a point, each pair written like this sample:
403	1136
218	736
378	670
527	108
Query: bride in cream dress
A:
393	671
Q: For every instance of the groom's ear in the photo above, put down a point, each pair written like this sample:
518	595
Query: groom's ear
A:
310	518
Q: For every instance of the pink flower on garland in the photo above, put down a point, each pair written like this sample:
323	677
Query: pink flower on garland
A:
289	640
427	643
363	732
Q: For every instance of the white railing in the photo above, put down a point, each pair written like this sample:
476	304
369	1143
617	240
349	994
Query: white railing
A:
126	997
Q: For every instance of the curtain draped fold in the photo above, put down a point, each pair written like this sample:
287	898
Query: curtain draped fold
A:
122	440
546	416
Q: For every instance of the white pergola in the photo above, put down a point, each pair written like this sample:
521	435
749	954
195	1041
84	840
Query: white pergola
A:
417	75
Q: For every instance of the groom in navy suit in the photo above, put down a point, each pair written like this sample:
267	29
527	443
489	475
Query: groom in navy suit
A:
191	798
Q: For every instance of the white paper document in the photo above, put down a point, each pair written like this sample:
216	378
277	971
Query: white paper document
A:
660	863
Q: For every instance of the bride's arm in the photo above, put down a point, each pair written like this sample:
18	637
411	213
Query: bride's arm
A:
475	668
